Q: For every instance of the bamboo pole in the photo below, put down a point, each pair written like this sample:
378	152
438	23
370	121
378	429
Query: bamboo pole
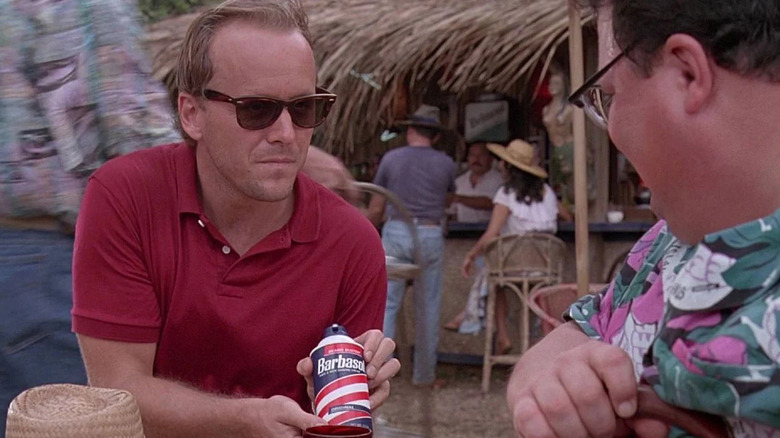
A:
576	73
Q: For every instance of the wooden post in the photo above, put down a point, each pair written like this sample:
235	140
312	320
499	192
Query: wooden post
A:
576	73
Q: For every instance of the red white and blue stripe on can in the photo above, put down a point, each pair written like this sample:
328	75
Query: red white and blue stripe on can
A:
340	381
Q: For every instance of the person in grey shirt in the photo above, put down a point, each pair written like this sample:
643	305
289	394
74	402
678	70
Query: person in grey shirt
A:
422	177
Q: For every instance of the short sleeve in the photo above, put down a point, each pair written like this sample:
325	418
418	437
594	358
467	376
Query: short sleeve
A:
113	294
380	178
502	197
604	314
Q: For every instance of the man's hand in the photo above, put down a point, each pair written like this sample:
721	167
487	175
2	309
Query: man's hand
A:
587	390
279	416
380	366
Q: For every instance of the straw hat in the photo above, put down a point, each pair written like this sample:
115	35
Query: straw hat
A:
519	154
426	116
74	411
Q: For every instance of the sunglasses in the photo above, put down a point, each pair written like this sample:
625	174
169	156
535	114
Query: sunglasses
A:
259	112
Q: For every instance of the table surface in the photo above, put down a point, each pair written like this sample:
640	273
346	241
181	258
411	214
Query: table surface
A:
388	432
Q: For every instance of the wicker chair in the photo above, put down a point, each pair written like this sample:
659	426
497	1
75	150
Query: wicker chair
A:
549	302
518	262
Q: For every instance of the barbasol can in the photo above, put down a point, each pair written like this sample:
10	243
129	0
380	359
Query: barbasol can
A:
340	381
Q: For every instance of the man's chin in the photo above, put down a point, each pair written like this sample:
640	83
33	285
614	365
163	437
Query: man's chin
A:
276	191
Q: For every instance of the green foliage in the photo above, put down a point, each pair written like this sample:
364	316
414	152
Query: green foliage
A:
155	10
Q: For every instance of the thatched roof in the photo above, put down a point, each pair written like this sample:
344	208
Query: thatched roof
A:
368	49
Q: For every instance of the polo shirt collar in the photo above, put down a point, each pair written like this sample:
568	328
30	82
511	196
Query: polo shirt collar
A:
185	170
303	226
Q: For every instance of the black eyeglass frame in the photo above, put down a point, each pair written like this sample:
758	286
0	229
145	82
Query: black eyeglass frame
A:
577	98
241	102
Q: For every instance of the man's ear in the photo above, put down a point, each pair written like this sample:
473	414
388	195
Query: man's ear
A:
190	115
696	74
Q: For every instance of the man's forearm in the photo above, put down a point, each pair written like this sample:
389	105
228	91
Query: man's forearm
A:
171	409
475	202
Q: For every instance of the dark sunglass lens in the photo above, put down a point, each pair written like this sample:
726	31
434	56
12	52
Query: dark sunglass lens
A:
310	111
304	112
257	113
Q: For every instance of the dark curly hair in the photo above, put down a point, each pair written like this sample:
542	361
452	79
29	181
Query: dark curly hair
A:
742	36
528	187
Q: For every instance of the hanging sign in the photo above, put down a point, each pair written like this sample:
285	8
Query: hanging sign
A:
487	121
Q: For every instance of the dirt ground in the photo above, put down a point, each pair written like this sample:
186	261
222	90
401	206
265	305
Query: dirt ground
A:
457	410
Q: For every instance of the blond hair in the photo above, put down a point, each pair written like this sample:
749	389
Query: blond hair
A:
194	68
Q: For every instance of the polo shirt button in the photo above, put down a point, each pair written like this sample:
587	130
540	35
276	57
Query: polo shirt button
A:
200	222
226	249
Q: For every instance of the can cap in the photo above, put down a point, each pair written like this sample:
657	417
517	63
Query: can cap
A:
335	329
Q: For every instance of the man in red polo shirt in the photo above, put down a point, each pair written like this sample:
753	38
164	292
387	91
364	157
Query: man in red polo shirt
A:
204	273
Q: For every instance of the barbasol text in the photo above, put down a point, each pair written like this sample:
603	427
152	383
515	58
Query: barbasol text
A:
324	365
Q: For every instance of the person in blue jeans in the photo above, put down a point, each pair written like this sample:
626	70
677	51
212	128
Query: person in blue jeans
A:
75	91
422	178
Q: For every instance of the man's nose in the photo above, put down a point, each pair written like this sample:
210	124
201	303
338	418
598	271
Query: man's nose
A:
282	129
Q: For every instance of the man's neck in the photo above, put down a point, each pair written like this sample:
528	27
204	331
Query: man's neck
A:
241	220
415	139
475	177
738	180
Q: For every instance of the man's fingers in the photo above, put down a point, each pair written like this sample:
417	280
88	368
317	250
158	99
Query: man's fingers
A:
616	370
305	367
288	412
380	395
529	422
383	352
559	410
388	370
370	341
590	400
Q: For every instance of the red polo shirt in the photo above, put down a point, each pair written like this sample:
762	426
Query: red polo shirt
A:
150	267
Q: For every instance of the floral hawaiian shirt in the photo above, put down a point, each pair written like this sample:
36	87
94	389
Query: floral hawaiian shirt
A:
700	322
75	90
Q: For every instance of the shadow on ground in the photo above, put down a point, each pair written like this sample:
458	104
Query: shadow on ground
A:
457	410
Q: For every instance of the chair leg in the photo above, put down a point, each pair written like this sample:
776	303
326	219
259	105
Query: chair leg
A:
487	360
526	323
403	344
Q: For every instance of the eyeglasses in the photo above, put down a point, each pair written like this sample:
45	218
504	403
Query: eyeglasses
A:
259	112
592	98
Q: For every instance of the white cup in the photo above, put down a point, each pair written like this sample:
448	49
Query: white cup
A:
614	216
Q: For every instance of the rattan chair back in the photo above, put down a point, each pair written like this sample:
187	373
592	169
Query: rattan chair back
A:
531	254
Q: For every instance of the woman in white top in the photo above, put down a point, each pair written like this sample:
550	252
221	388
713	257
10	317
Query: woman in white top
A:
523	203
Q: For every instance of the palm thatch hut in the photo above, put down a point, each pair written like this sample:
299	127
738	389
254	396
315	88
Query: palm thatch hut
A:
382	56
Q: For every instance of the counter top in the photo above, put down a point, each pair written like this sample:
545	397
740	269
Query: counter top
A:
606	227
469	228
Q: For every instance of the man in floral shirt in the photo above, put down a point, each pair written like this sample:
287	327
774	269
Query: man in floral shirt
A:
76	90
692	98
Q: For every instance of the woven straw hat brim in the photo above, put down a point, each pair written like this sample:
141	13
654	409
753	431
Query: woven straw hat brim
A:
506	154
74	411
